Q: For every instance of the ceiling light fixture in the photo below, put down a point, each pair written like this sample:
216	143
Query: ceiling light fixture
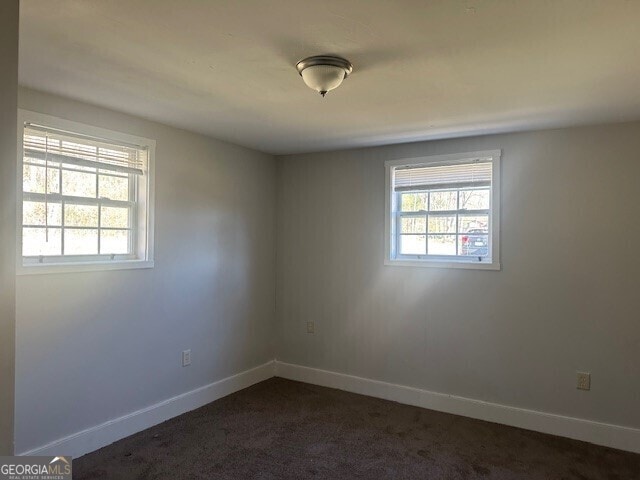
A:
323	73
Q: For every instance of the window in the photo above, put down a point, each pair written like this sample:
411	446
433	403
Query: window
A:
443	211
86	197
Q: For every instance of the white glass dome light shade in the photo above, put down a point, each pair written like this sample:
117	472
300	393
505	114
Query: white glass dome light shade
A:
324	73
323	78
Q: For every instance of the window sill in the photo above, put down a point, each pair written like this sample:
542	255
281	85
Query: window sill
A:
75	267
443	264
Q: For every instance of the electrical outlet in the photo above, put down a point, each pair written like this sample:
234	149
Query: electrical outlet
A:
310	327
186	358
584	381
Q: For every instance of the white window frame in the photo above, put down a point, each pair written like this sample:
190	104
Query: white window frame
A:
144	213
442	261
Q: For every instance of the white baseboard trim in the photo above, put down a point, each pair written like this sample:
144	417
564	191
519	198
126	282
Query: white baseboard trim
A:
93	438
615	436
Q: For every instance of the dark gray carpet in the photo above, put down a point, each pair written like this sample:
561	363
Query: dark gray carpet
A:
291	430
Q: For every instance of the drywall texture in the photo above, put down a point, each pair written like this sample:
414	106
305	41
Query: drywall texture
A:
565	299
98	345
8	100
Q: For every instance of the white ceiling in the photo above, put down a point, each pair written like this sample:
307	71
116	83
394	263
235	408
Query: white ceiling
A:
422	69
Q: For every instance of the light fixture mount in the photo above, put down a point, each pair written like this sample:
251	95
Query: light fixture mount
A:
324	72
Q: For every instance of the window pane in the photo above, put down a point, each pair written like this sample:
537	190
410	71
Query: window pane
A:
413	245
115	217
80	242
114	241
474	245
33	213
444	201
115	188
414	202
80	215
41	241
475	199
33	179
78	184
53	174
442	224
414	225
442	244
474	224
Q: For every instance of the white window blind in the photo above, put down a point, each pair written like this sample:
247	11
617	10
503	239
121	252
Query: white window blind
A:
52	145
475	173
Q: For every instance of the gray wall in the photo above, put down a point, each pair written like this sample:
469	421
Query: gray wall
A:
8	99
95	346
565	300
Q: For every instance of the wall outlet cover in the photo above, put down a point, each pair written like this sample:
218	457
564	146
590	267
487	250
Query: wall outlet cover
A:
584	381
310	327
186	358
